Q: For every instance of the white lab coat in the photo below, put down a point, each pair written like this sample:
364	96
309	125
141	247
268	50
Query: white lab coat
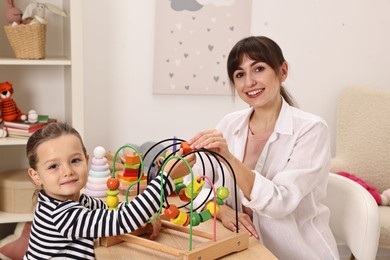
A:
291	178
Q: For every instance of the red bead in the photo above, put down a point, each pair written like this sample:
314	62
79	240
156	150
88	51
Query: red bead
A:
182	196
187	221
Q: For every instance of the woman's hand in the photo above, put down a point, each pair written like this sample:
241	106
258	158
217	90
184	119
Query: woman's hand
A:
212	140
180	169
228	218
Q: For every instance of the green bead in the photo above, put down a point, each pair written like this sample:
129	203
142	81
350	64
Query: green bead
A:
112	192
196	219
178	187
220	201
205	215
222	192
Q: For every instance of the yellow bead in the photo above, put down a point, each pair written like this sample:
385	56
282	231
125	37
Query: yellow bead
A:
181	219
112	201
210	207
198	184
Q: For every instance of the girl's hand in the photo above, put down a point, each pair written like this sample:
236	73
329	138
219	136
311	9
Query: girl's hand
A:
228	218
212	140
153	228
180	169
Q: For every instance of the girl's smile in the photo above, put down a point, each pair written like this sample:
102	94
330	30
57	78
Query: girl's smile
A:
62	168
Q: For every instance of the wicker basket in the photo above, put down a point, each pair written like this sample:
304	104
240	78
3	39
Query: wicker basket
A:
27	41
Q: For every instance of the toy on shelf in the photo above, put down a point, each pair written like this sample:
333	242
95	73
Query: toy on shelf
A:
9	109
35	12
98	175
179	217
11	115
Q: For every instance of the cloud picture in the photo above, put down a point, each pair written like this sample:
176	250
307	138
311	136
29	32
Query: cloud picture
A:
192	41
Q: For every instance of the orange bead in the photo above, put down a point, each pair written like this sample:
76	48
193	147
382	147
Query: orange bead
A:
132	159
112	183
172	211
186	147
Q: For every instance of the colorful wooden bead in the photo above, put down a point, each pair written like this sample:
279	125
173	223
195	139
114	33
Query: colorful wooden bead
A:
178	187
178	180
187	221
181	219
172	211
112	201
205	215
112	192
219	201
186	147
132	166
222	192
132	159
112	183
210	207
198	184
195	219
182	196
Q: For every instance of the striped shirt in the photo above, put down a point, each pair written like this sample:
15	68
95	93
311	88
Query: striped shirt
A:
67	229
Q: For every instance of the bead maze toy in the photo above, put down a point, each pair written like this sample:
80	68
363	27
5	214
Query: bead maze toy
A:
180	220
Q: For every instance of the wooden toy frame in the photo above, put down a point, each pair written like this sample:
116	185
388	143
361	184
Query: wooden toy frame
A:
208	250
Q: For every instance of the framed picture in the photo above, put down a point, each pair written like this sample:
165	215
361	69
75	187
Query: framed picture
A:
192	42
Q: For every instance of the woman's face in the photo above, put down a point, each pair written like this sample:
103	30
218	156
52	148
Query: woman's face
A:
258	84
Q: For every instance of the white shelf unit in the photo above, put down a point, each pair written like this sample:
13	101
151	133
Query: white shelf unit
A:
53	85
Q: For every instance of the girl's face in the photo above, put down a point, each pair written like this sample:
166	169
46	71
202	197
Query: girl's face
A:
62	168
258	84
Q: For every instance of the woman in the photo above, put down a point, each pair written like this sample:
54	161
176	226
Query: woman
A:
280	156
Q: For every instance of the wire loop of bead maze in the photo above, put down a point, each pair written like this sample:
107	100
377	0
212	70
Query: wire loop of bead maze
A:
209	250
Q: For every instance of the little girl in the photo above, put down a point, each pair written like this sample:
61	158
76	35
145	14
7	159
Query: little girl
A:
66	222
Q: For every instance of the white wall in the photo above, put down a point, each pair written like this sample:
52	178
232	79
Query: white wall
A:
328	44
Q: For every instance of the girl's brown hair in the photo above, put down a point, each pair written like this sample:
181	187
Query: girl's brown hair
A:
51	131
261	49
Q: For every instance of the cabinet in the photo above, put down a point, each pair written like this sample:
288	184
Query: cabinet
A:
52	86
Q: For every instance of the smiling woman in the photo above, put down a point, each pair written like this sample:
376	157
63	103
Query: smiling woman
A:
282	154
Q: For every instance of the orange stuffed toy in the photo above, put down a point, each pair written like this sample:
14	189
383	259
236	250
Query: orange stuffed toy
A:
8	108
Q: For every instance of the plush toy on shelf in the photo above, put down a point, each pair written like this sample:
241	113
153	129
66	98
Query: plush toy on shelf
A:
9	109
39	15
13	15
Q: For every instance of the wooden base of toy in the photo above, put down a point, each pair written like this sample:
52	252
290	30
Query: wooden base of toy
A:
206	250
